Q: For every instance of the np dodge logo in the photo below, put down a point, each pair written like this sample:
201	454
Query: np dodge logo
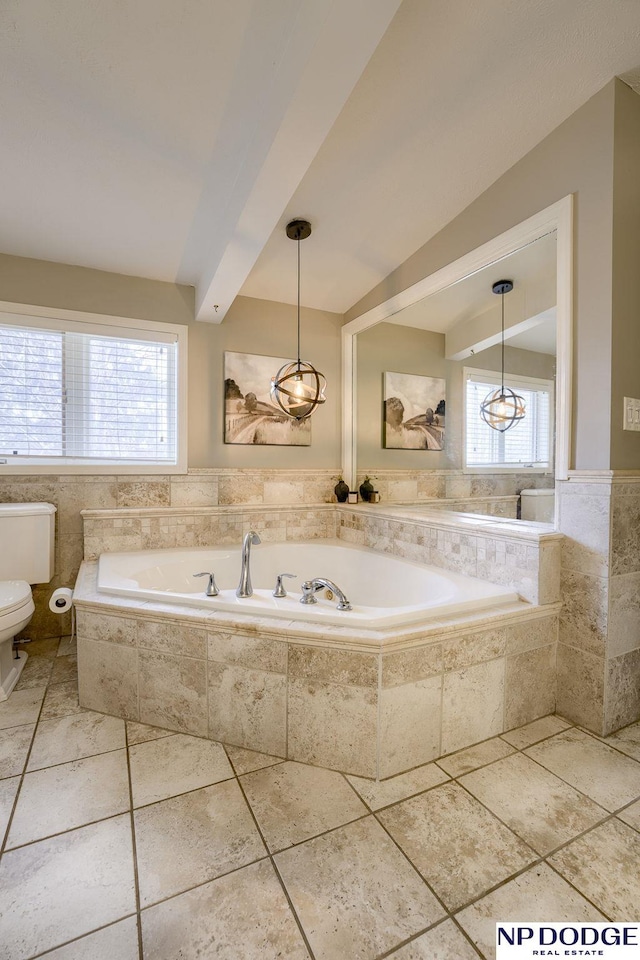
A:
609	941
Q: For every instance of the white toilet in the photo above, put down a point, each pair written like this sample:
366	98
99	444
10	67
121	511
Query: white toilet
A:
27	541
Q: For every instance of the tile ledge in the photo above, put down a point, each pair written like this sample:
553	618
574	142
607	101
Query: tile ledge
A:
471	524
124	513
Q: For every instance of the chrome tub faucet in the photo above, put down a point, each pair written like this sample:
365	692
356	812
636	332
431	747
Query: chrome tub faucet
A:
212	586
244	587
311	587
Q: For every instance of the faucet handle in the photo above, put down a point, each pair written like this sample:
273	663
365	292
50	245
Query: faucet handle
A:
308	590
212	587
280	590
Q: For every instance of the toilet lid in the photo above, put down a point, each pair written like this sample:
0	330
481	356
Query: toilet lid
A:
13	594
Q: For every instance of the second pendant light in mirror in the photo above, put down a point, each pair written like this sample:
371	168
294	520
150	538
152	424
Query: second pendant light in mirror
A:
503	407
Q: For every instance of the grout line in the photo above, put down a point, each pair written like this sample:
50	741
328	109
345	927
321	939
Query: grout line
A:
82	936
577	789
22	775
184	793
287	684
247	773
202	883
63	763
411	939
134	847
319	836
410	796
277	873
416	936
579	892
414	867
539	856
379	688
468	937
61	833
362	800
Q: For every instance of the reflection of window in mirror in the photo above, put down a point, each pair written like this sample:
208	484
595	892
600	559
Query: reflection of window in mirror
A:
528	444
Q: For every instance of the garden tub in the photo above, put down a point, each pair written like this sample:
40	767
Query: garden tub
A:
384	590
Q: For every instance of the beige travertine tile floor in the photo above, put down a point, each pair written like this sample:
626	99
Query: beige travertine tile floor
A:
126	842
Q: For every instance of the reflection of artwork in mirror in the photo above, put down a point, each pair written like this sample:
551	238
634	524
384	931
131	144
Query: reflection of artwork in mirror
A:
414	410
249	414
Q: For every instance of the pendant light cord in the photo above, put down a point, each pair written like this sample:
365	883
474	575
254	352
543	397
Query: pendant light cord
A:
298	303
502	302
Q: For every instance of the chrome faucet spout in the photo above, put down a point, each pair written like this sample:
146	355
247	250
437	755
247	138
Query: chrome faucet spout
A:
310	587
244	587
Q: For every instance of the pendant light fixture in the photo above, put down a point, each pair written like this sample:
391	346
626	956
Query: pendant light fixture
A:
502	408
298	388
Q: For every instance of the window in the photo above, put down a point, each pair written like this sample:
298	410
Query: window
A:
528	443
81	393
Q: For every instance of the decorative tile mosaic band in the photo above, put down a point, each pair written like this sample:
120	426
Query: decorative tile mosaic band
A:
147	529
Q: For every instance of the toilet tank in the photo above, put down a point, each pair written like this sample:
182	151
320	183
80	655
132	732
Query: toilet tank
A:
27	541
537	505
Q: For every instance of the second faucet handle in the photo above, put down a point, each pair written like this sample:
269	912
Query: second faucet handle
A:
280	590
212	586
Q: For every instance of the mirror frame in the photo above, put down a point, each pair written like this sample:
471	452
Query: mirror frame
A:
559	217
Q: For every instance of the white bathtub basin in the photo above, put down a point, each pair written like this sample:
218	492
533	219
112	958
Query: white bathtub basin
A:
383	590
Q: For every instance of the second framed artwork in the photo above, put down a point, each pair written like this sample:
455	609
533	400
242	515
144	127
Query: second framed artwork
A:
250	416
414	412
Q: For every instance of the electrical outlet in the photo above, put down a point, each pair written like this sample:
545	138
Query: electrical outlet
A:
631	414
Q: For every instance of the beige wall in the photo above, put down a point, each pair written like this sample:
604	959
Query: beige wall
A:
46	284
253	326
267	328
625	381
576	158
390	346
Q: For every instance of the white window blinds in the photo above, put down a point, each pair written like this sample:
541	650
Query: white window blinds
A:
528	443
88	397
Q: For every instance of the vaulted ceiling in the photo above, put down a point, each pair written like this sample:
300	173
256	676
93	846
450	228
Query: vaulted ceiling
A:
175	140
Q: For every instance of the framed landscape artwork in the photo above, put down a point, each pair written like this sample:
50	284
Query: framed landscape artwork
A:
414	409
250	416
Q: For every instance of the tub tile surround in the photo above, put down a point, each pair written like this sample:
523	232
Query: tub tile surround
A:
599	639
368	703
599	633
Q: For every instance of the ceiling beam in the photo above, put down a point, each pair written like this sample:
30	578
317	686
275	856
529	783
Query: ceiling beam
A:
485	331
328	45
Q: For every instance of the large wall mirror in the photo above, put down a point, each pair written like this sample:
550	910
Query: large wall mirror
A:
417	367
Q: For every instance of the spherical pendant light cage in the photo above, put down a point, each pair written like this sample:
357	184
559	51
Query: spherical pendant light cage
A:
503	407
298	388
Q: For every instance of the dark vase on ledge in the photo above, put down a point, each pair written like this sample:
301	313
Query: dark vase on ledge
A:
341	491
366	489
